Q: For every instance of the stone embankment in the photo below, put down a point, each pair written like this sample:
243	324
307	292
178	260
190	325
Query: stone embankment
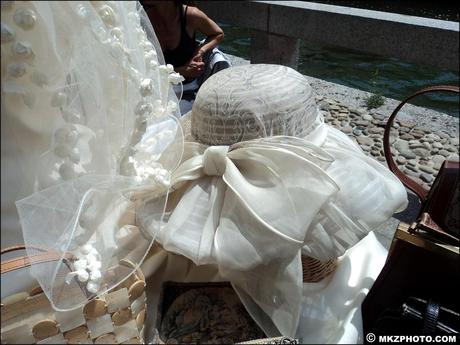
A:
421	138
418	152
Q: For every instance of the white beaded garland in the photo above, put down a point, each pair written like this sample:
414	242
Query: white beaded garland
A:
67	171
25	18
74	155
150	55
107	15
22	50
61	150
117	33
175	78
146	87
95	275
116	49
72	136
143	108
7	33
86	249
82	275
92	287
152	64
80	264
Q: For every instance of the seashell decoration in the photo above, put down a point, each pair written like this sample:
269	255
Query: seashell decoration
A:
25	18
7	33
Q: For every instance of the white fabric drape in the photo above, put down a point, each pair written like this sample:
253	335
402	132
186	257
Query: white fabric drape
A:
330	310
253	207
83	86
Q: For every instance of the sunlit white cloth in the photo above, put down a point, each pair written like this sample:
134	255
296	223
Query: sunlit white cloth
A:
253	207
330	309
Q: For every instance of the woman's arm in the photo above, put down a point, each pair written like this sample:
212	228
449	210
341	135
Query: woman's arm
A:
199	21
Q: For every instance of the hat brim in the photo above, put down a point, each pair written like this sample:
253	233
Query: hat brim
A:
186	123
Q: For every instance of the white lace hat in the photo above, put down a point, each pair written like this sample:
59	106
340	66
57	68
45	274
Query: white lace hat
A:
251	101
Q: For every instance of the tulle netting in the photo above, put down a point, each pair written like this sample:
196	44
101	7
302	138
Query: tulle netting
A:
88	80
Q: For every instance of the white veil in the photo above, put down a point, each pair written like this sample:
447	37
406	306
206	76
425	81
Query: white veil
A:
88	81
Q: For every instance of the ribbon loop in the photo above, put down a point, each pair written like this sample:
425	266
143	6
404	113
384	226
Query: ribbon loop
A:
215	160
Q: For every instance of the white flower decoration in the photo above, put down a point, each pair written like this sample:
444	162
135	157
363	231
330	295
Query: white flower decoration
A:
175	78
147	168
146	87
143	108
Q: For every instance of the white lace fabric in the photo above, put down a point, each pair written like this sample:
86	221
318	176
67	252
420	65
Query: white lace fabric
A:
253	101
88	118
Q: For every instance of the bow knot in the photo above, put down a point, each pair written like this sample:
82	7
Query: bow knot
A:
214	160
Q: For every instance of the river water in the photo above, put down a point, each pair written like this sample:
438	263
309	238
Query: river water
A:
388	76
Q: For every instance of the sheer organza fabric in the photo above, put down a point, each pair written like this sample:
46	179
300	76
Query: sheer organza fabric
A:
88	118
252	208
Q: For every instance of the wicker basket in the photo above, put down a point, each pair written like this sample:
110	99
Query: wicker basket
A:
115	317
314	270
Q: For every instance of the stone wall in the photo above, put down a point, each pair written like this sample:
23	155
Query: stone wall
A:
421	138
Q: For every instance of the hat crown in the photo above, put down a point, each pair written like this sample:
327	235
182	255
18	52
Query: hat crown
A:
252	101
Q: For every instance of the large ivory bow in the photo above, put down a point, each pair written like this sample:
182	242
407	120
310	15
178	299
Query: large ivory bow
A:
262	194
248	208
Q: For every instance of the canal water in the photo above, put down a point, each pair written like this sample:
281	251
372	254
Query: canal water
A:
388	76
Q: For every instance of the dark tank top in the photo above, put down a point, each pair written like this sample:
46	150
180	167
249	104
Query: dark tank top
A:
187	45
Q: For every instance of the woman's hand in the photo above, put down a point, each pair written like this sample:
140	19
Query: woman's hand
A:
193	69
